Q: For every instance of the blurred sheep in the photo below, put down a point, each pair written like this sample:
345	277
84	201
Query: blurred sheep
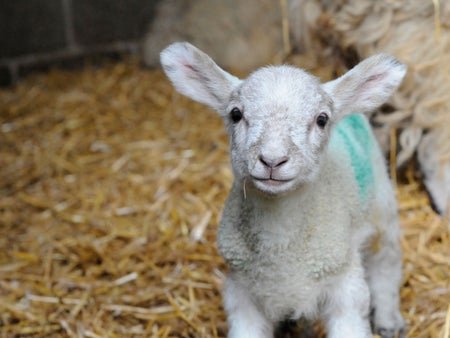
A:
416	32
243	35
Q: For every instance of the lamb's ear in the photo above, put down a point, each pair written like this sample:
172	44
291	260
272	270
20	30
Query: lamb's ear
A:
196	75
367	86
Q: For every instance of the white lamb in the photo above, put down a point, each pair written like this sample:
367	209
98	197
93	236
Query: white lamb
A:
310	228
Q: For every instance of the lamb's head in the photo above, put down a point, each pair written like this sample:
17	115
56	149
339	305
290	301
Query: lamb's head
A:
280	118
279	121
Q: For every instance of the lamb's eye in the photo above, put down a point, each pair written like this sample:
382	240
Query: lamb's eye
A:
236	115
322	120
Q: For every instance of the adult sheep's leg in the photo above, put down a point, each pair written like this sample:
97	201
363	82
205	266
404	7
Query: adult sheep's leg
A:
384	272
347	306
244	318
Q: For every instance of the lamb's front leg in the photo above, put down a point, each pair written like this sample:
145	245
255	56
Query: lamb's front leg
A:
347	308
244	318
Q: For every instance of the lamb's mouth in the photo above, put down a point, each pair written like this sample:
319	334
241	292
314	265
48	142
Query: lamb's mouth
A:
271	181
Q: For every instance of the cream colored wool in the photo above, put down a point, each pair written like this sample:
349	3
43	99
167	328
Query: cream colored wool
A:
416	32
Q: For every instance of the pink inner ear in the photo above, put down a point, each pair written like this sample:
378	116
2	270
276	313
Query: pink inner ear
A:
375	77
190	67
372	80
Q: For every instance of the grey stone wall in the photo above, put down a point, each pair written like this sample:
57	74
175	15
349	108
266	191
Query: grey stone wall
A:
36	34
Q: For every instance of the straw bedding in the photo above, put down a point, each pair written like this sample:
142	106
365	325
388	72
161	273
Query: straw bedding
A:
111	187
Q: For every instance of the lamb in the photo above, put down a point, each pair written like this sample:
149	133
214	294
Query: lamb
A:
310	227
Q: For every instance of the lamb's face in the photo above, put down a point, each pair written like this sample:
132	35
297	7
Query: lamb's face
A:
279	122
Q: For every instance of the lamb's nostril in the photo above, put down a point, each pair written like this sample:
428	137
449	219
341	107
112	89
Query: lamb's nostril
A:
273	163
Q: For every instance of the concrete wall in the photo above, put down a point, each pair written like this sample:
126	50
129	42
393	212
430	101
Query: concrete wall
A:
35	34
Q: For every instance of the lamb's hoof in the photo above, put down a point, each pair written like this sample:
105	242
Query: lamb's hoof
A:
391	333
388	325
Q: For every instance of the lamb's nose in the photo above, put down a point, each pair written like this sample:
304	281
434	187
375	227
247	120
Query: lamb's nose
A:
273	163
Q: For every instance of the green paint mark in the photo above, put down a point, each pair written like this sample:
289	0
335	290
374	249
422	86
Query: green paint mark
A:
355	135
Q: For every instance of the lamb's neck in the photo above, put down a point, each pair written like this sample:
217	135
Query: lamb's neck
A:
277	213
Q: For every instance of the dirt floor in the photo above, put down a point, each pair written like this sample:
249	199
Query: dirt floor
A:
111	188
